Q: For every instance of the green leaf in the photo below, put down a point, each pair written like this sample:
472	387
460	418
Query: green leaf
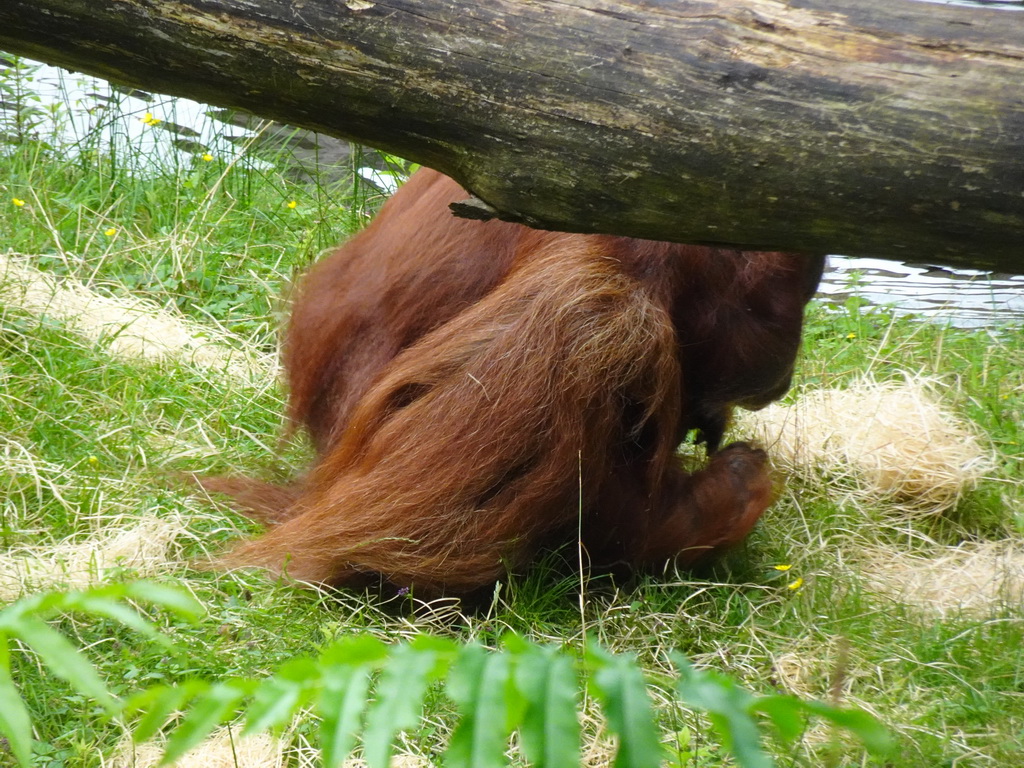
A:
787	714
356	650
400	693
98	605
15	721
173	599
12	614
276	700
550	730
479	683
619	685
740	735
158	703
875	736
63	659
210	708
728	707
342	701
345	680
46	604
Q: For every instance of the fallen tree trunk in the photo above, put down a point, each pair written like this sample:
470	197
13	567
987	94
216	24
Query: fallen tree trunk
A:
873	127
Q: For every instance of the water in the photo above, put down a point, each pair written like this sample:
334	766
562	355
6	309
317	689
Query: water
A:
169	132
79	111
960	297
996	5
184	128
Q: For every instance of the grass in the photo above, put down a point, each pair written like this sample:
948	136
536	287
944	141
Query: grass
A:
91	439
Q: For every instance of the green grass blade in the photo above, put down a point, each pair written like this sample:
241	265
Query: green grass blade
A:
64	660
479	683
15	721
620	687
550	730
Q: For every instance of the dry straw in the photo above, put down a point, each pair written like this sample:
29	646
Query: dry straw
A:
147	547
891	441
129	328
970	579
223	749
226	749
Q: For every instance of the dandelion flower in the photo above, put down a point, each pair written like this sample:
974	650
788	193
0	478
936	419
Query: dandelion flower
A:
207	157
148	119
292	203
795	585
93	461
110	232
17	201
783	567
851	335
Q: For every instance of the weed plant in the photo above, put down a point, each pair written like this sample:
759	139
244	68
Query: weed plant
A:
91	442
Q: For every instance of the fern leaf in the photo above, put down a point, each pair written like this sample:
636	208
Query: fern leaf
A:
875	736
728	707
157	704
63	659
787	713
479	683
342	702
15	723
172	599
619	685
210	708
276	700
549	729
400	693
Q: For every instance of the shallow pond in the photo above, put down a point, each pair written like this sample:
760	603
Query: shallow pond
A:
961	297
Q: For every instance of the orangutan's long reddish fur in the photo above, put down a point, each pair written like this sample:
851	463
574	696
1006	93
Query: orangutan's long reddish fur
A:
477	391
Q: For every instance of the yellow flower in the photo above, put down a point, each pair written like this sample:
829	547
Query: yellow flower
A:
851	335
207	157
795	585
110	232
93	460
292	203
148	119
17	201
784	567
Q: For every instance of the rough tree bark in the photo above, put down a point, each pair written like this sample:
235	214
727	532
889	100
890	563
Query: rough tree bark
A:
877	127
